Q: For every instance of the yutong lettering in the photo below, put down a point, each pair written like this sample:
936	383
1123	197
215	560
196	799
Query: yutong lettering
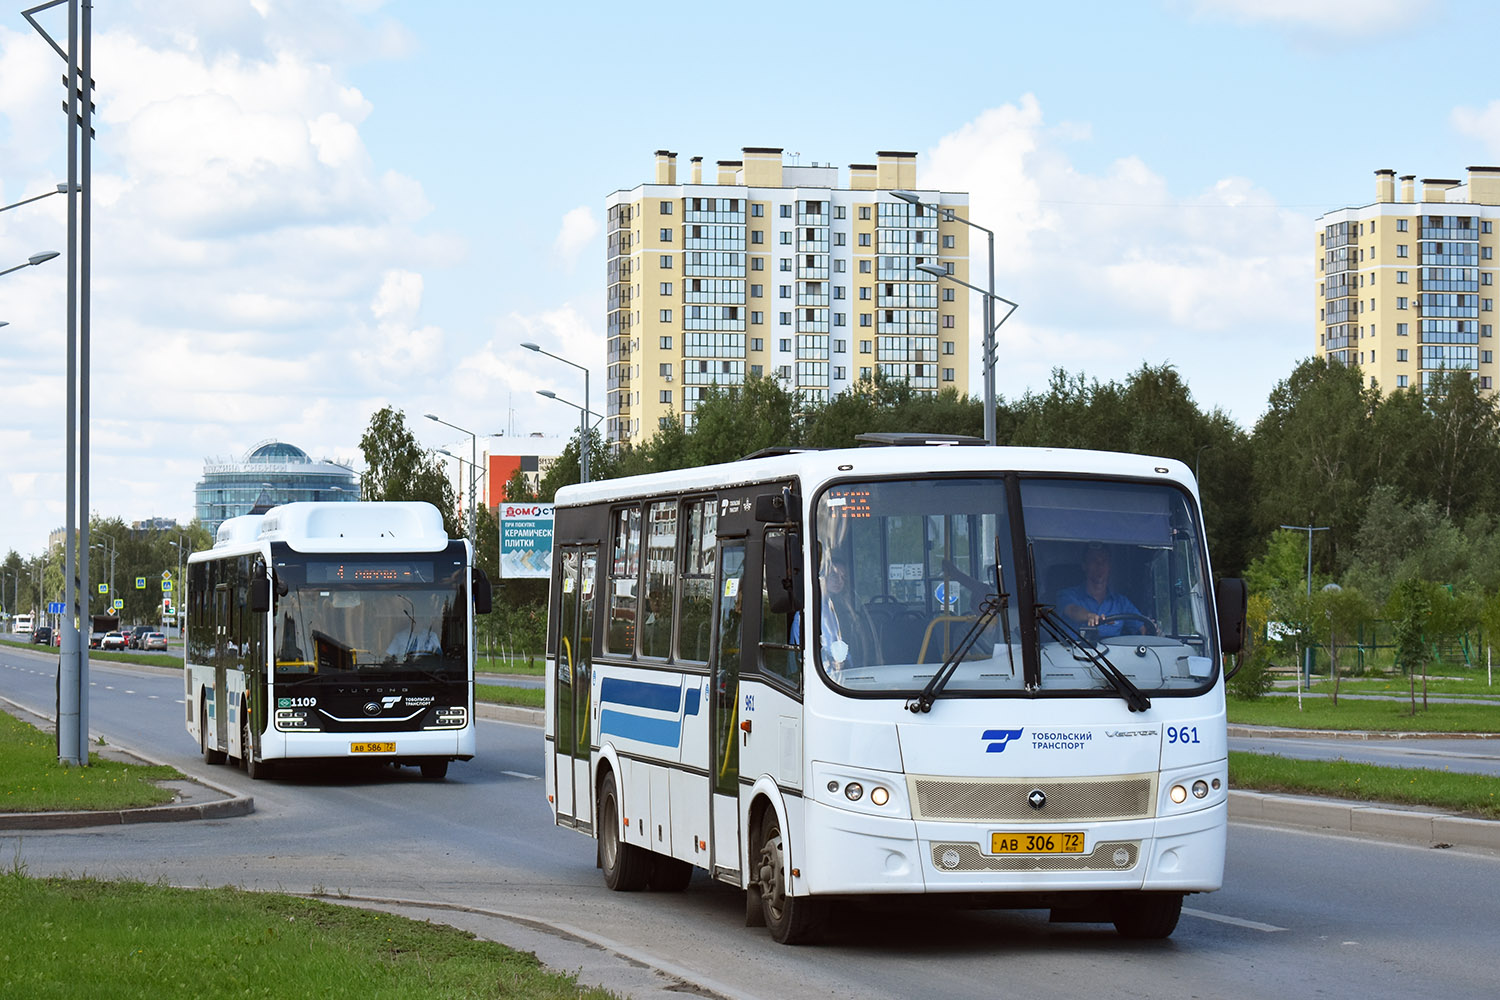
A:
1060	741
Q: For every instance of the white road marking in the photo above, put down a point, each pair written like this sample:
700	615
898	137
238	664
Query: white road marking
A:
1252	925
518	774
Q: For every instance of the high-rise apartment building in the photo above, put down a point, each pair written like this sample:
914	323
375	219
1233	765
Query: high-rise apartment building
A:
1406	286
771	268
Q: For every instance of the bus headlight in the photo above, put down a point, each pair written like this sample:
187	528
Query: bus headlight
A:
879	795
455	717
295	718
1178	794
853	790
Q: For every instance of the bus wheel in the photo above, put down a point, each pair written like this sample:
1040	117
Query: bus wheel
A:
434	769
669	874
210	755
626	866
255	770
1147	916
790	919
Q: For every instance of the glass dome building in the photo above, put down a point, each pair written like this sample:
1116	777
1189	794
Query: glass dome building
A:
273	472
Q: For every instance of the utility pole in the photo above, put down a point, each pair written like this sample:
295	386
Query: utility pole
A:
1307	658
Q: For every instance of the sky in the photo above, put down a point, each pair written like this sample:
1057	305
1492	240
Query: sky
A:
306	210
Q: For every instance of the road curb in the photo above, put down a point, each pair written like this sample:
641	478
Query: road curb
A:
1360	818
1284	732
230	804
509	713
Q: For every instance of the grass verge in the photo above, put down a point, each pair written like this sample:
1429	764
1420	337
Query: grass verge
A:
1470	794
1378	716
502	694
32	780
130	939
511	665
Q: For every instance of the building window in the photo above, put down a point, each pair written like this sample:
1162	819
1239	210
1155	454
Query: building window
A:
1400	225
1401	250
666	236
1485	226
864	319
757	344
864	373
840	372
786	211
666	316
756	318
1487	278
838	291
840	239
757	236
864	294
1401	329
948	267
665	369
1485	330
757	370
757	210
864	267
662	422
1489	305
840	266
947	347
840	346
948	242
666	343
947	374
1400	302
864	239
947	295
947	322
666	288
840	212
665	397
786	291
786	237
756	290
786	263
864	212
666	208
864	347
1487	357
1401	278
1485	382
1401	354
1400	381
838	319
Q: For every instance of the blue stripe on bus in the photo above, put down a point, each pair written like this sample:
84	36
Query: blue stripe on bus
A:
690	702
640	694
662	732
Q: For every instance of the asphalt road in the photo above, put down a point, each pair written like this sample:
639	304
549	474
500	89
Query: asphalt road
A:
1302	914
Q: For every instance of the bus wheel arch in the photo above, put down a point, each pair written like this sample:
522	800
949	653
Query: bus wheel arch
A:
791	919
626	866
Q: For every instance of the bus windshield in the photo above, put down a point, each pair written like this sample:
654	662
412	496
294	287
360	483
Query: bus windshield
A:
906	570
379	616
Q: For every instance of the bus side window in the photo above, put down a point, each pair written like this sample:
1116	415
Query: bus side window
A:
624	574
695	620
661	566
779	654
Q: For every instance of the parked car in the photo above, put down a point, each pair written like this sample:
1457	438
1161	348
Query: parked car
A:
112	640
42	636
154	640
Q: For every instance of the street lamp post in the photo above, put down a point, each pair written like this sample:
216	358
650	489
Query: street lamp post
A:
583	440
33	261
990	323
474	452
111	550
61	189
178	588
583	428
1307	660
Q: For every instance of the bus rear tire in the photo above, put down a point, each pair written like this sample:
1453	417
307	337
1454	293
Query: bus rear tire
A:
790	919
669	874
210	755
1147	916
626	867
435	769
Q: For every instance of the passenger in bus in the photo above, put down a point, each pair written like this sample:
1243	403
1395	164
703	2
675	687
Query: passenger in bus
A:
848	638
1092	601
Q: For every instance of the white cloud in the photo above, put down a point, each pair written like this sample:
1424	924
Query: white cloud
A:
579	228
1480	123
1345	17
1155	275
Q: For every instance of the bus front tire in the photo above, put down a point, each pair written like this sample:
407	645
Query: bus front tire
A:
254	770
626	866
790	919
1147	916
210	755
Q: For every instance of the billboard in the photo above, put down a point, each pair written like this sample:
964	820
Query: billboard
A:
525	540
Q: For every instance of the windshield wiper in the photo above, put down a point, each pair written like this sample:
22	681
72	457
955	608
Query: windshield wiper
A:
1063	631
992	606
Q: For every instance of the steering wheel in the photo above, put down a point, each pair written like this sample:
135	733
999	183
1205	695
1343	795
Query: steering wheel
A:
1129	616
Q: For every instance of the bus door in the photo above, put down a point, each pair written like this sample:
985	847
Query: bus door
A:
724	757
221	604
572	678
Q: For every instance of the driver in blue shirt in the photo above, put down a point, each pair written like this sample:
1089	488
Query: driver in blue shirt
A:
1092	601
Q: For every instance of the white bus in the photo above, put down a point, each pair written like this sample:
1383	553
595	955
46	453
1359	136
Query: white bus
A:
24	623
967	714
333	630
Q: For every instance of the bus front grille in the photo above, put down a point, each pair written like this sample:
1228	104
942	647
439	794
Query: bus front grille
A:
1113	855
978	800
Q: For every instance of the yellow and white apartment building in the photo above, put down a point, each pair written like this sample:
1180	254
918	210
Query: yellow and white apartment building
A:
1406	286
771	268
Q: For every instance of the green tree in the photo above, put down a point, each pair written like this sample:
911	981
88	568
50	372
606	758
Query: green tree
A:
739	420
397	468
1253	678
1337	614
1409	607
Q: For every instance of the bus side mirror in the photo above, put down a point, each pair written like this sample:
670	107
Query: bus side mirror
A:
778	508
260	595
1231	599
783	571
480	585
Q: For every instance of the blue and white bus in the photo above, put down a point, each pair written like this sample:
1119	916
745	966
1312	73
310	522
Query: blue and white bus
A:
895	670
334	631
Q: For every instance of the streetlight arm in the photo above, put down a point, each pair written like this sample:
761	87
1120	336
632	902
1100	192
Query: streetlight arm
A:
61	189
